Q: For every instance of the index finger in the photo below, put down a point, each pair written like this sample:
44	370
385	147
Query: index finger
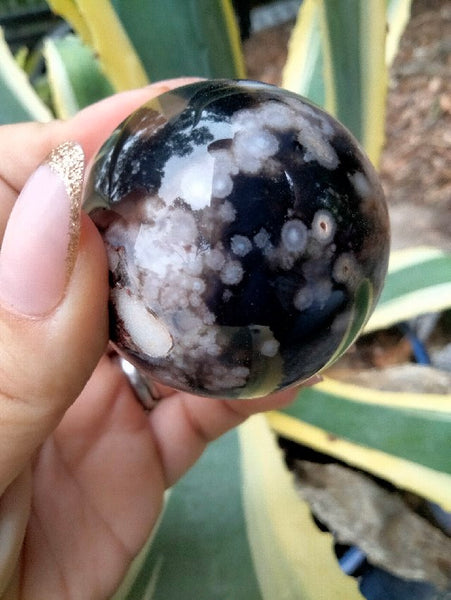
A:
93	124
24	146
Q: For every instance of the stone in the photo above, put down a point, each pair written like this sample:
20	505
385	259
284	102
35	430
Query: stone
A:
247	236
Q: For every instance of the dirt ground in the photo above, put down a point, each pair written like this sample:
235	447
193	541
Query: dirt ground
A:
416	162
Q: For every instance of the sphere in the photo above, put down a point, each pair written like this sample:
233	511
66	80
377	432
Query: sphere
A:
247	236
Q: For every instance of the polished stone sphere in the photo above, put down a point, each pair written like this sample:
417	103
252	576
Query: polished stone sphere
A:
247	237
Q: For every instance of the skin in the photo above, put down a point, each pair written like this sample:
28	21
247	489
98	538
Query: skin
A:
83	468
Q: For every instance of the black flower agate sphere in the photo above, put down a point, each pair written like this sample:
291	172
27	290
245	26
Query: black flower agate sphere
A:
247	237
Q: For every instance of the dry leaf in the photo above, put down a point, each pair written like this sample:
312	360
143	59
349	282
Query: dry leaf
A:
361	512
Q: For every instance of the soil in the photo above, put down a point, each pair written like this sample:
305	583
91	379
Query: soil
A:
416	163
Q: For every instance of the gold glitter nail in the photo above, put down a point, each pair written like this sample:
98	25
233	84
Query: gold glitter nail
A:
68	161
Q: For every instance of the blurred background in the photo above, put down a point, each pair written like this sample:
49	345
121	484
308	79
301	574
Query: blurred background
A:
408	352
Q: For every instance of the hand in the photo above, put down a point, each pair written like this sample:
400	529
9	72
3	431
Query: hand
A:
83	468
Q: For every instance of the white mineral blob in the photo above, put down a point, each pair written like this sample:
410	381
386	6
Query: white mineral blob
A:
252	148
226	212
224	169
361	184
232	272
198	286
276	115
240	245
270	347
187	321
170	297
226	377
346	270
149	334
168	243
303	298
227	294
192	180
263	340
214	259
294	236
323	226
317	145
262	239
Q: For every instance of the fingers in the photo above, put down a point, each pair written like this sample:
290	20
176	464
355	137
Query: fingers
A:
51	337
90	127
183	425
95	123
53	308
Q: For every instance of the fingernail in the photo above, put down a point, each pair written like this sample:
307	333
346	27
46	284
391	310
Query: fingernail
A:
41	239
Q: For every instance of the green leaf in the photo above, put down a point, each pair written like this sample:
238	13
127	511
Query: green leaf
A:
355	70
231	529
200	549
18	99
98	25
418	433
363	303
288	549
303	70
338	57
74	75
398	15
418	282
179	38
402	437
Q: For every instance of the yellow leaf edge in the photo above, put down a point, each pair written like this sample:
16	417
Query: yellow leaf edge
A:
402	473
63	97
398	15
234	37
412	256
435	298
374	76
406	400
68	10
288	549
304	42
18	83
116	54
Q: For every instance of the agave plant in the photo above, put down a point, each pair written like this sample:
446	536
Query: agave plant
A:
239	525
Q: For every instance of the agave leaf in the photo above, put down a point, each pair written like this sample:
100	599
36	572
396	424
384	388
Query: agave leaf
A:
70	11
18	99
234	38
288	549
74	75
303	70
412	426
418	282
336	58
179	38
398	15
200	549
355	71
401	437
98	25
231	529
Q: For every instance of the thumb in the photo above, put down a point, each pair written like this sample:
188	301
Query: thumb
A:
53	307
